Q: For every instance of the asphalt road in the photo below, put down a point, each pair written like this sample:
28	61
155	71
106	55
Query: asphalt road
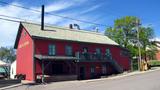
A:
146	81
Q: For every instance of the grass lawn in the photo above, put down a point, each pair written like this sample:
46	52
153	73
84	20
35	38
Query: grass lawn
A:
154	63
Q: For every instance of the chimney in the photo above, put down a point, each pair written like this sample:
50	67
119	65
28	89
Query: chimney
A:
42	18
70	26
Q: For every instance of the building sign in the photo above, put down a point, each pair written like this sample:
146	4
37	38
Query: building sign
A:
24	44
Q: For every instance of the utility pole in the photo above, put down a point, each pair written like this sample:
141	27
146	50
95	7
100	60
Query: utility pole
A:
139	48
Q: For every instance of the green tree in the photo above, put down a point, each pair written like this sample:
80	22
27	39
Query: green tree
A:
146	34
124	32
7	54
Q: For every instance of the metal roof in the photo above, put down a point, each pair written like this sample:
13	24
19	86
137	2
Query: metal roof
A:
64	33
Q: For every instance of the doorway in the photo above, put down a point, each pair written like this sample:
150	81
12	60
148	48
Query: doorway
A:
82	72
57	68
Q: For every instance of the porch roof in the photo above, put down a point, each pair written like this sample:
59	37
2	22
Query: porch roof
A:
46	57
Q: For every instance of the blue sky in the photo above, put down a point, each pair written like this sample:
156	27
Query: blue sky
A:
97	11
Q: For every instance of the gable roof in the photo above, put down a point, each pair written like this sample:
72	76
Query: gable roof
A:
63	33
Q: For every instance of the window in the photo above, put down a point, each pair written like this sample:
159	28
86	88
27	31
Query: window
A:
85	50
92	69
124	53
52	49
108	52
85	53
25	33
104	69
68	50
98	51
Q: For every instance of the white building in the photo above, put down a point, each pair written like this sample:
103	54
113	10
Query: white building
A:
13	70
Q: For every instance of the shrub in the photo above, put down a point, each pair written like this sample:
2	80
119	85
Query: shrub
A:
154	63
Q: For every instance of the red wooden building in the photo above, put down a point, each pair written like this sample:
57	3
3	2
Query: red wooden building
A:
71	53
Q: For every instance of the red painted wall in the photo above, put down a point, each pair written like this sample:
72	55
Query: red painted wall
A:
98	68
123	61
25	56
41	47
158	55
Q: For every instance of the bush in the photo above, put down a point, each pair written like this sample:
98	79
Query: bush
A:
135	64
154	63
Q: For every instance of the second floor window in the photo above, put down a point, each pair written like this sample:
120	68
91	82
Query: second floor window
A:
85	50
68	50
52	49
108	52
98	51
124	53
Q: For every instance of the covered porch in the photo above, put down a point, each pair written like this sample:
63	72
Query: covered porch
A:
55	68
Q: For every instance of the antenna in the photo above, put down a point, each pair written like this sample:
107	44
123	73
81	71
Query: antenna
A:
96	29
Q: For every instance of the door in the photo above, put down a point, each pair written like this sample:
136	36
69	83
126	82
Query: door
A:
57	68
92	71
82	72
104	69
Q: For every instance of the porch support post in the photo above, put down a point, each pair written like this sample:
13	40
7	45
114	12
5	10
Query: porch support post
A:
77	70
42	71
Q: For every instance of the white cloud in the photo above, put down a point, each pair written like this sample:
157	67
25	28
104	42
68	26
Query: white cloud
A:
91	9
9	29
8	33
58	6
156	39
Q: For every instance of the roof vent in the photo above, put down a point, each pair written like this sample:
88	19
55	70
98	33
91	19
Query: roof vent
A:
70	26
76	26
96	29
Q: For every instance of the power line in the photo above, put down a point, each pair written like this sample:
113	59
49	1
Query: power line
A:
16	19
22	20
10	20
54	14
19	6
12	17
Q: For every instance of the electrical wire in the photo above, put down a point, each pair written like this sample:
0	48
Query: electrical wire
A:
10	20
54	14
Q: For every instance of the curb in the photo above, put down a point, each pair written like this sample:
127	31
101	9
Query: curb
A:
12	86
125	74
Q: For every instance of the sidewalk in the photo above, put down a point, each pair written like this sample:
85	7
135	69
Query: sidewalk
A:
125	74
7	87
